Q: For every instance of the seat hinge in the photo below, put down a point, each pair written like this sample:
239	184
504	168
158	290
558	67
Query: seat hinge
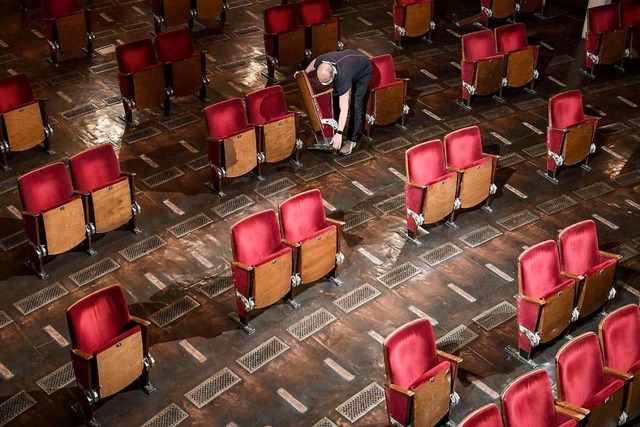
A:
41	250
432	25
487	11
417	218
371	119
470	88
135	208
261	157
593	57
534	338
307	53
299	144
612	293
457	203
295	280
592	148
339	258
405	109
395	423
340	45
331	122
90	229
517	7
493	188
4	146
220	171
627	53
575	314
454	398
505	82
536	74
249	304
623	418
556	158
400	30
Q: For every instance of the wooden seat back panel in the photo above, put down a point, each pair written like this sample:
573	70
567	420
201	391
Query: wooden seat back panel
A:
489	76
279	139
187	76
149	88
556	314
120	365
607	414
612	46
520	67
308	96
388	104
272	280
324	38
503	8
439	200
24	127
64	227
176	12
431	400
291	47
208	9
577	142
595	291
112	206
240	153
417	19
72	32
474	185
318	256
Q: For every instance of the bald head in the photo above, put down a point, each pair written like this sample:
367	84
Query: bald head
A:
325	73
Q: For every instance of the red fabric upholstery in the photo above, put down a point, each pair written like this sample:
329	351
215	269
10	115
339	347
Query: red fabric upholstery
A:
303	216
98	318
539	268
511	37
59	8
463	147
487	416
579	250
256	238
410	2
314	12
280	19
45	187
580	370
15	91
94	168
603	18
425	163
630	13
136	56
266	105
225	119
478	45
384	72
619	335
565	109
174	46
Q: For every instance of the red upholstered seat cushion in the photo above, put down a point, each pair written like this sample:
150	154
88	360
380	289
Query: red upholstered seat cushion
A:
225	118
565	109
59	8
610	388
540	270
579	252
620	332
478	45
174	46
528	401
630	13
15	91
45	188
564	421
303	216
603	18
266	105
488	416
425	163
314	12
99	320
257	238
94	168
511	37
136	56
463	148
280	19
429	374
383	73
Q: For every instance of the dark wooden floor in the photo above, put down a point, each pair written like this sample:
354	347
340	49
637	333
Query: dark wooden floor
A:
185	286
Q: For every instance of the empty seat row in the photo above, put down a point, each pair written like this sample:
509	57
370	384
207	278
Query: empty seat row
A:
169	13
507	9
67	28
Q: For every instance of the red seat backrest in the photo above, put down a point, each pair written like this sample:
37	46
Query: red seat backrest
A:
59	8
630	13
603	18
302	215
539	269
463	146
565	109
14	92
579	249
313	12
425	162
528	401
384	71
266	104
280	19
511	37
225	118
136	56
174	45
488	416
619	332
94	167
478	45
45	187
256	237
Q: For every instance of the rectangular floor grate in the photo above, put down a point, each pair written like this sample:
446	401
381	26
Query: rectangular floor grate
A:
181	121
141	135
214	39
635	122
174	311
13	240
41	298
509	160
428	89
390	204
462	122
57	379
142	248
355	158
5	320
65	78
163	177
238	3
275	187
530	103
103	68
79	111
453	82
217	286
598	88
104	33
311	324
426	134
94	271
199	163
136	26
232	66
247	30
536	150
401	59
8	185
480	236
556	205
626	251
344	11
262	354
456	47
362	402
353	219
14	406
112	100
356	298
628	81
495	316
456	339
185	227
7	58
593	190
613	128
314	172
398	275
233	205
170	416
518	219
428	53
391	145
325	422
561	59
367	34
440	254
497	112
628	178
212	387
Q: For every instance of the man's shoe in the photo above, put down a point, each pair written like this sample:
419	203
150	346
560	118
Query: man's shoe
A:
347	148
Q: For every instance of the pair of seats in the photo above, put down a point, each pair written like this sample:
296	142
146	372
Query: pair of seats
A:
443	178
413	18
558	284
527	401
23	119
109	348
290	38
630	19
570	133
67	28
169	13
149	73
272	258
507	9
498	59
61	211
238	142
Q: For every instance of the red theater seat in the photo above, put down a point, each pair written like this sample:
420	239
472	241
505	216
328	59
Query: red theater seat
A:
420	378
413	18
606	39
109	347
630	19
171	13
284	38
67	27
487	416
481	67
387	101
531	6
498	9
321	27
521	58
319	107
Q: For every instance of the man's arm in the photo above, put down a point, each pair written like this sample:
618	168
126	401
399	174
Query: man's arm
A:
311	67
344	102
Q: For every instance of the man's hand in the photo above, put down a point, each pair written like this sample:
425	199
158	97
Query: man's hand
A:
336	141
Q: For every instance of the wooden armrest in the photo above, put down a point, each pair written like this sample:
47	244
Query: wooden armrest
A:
572	276
242	266
336	222
572	407
81	354
596	118
610	255
81	193
403	79
535	301
31	214
454	169
256	126
209	139
140	321
411	184
568	276
495	156
450	357
290	243
557	129
129	174
569	413
619	374
399	389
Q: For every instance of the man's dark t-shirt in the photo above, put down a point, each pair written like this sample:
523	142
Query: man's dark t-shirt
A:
351	65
